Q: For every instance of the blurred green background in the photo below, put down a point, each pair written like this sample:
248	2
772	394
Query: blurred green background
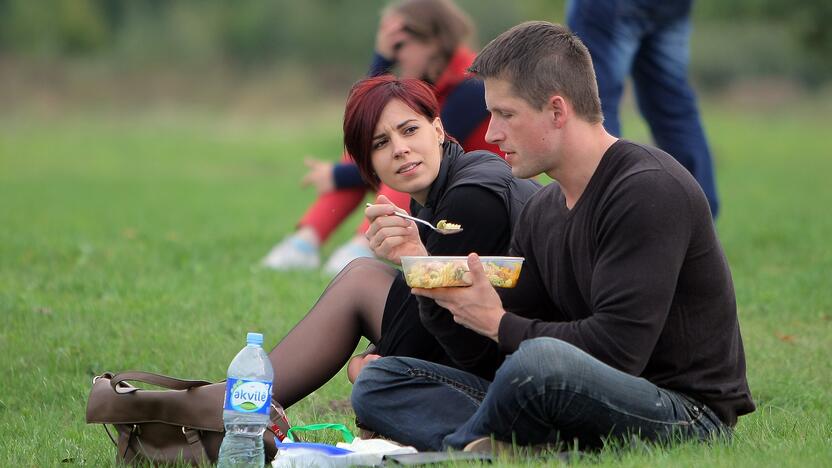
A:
261	56
150	153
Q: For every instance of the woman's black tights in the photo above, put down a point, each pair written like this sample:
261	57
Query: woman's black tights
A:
352	306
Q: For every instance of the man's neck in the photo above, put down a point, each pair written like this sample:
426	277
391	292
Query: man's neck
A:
583	148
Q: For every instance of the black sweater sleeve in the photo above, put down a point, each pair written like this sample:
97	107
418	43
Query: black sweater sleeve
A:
486	231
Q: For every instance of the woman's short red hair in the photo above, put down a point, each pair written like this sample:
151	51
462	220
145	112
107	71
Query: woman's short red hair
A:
365	103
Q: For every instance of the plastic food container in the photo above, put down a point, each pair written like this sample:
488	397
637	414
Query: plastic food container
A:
444	272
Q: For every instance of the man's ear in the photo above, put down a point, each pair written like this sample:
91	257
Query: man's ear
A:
559	110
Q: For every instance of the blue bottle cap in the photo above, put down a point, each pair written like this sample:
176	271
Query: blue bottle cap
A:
254	338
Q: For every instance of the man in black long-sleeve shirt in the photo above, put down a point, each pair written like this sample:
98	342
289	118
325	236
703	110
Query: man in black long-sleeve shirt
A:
624	318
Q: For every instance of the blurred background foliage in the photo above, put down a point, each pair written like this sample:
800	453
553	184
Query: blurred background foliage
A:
320	45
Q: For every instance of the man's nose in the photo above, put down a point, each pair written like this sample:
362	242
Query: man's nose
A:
493	135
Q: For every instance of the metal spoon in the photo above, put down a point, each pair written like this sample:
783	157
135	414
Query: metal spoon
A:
440	231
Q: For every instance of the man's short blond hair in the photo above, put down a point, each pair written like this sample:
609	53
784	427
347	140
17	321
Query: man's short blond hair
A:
542	59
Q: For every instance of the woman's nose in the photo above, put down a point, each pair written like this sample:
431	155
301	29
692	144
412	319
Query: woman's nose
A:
400	147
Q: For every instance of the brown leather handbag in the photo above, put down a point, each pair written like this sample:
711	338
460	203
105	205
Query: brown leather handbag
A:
182	423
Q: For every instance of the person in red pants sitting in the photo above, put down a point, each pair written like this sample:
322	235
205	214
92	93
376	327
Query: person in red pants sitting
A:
424	39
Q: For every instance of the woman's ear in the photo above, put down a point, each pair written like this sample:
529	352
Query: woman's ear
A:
440	130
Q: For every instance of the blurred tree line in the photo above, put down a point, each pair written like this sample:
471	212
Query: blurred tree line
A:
732	40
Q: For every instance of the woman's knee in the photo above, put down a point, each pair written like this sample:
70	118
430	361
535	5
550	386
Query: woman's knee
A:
364	272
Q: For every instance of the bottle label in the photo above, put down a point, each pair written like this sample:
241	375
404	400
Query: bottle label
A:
248	396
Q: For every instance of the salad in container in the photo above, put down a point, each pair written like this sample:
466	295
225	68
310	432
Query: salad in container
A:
445	272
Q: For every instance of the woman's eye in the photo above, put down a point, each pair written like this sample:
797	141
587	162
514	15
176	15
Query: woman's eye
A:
379	144
410	130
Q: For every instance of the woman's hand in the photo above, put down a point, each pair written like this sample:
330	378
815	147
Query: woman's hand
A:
390	33
391	236
320	175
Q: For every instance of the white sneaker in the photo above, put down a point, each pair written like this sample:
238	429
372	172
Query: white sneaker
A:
344	255
292	253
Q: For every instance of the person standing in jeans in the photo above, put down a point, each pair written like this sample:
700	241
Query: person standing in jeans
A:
649	39
624	319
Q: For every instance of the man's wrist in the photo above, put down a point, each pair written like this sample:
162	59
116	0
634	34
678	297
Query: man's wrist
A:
495	335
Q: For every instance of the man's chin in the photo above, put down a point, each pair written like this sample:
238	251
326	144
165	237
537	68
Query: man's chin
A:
521	173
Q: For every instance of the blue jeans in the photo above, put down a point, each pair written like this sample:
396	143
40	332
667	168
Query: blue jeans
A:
650	39
548	391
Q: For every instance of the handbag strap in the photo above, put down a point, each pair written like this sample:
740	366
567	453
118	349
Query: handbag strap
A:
195	440
119	381
107	430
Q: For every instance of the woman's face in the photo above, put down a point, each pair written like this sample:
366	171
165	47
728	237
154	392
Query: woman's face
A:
406	150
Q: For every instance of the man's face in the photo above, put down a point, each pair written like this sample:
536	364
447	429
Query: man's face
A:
524	133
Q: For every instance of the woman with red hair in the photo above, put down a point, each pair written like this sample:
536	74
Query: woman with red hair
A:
393	131
424	39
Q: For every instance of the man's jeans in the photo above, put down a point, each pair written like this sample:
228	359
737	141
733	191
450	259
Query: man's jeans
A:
651	39
547	391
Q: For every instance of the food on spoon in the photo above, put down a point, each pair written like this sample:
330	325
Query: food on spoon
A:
442	224
443	272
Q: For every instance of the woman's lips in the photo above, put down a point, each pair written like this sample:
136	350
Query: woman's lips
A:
409	167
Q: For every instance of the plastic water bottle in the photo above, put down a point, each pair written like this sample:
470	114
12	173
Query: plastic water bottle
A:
248	396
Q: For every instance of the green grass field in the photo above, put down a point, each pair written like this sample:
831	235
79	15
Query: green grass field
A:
132	243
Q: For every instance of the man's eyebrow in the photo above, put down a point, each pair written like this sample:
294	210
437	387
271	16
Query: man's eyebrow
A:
397	127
